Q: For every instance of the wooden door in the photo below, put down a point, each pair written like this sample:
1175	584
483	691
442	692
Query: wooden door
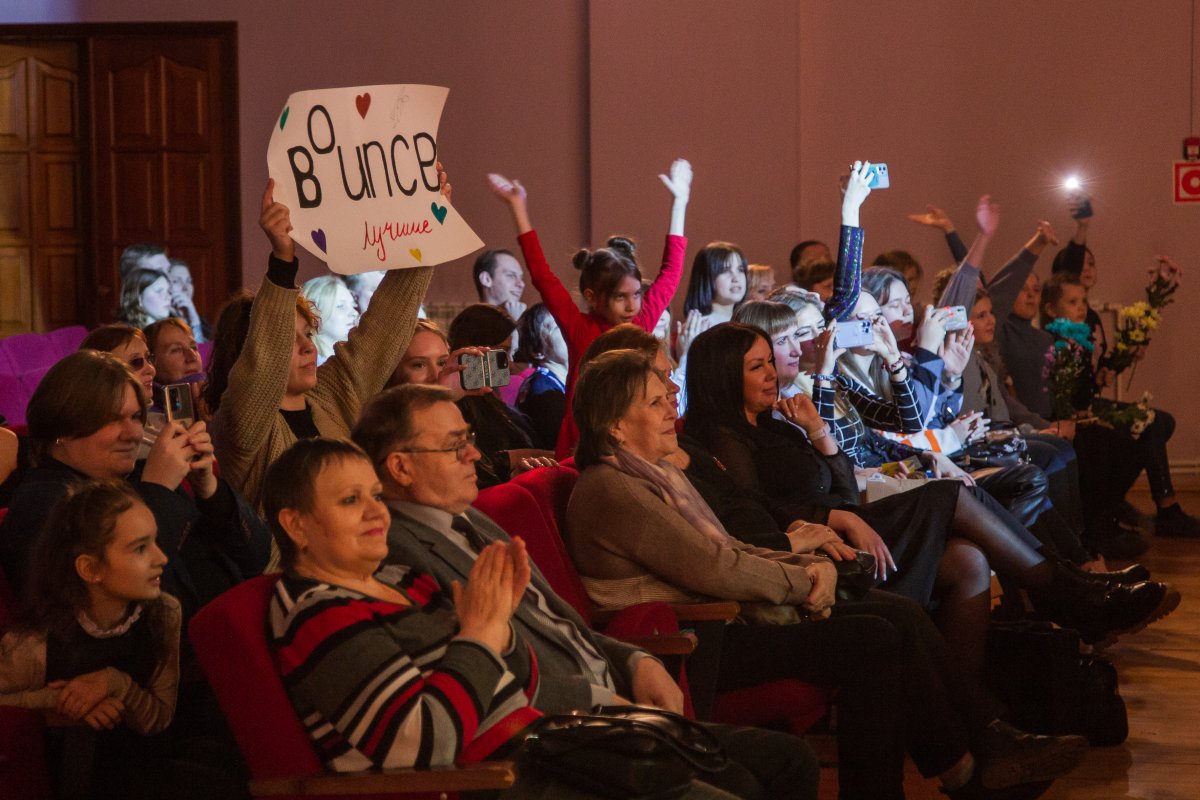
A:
164	157
42	222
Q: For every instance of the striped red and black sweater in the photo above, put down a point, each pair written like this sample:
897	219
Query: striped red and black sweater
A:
378	684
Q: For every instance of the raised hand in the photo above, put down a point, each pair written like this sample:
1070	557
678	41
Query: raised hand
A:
1045	233
679	184
687	330
884	342
513	193
987	215
1166	269
825	353
201	477
508	191
170	458
932	332
956	351
444	187
856	191
934	217
276	222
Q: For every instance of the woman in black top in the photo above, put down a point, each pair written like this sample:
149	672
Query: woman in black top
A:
799	466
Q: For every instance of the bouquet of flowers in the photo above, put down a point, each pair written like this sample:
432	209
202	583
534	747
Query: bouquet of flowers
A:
1067	364
1131	417
1136	322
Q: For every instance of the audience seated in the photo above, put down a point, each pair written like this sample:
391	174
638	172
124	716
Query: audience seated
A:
499	281
274	393
183	300
672	547
504	436
542	396
335	310
797	462
86	421
117	527
609	278
424	458
145	298
143	255
96	644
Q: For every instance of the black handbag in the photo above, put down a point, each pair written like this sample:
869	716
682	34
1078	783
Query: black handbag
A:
624	751
1002	448
1036	670
855	577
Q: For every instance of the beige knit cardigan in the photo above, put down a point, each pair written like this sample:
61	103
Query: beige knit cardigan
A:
249	433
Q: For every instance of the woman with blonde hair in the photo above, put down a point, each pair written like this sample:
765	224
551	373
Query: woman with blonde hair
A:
334	306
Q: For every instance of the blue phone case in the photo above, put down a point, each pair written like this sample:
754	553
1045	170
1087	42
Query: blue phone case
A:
879	176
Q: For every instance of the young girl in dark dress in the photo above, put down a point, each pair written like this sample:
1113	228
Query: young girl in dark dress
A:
97	645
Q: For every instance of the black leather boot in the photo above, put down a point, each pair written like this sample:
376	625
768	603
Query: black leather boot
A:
1099	610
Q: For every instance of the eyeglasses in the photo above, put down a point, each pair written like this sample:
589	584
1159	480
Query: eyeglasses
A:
458	448
137	362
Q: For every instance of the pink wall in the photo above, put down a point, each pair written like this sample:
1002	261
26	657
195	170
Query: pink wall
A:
587	102
518	93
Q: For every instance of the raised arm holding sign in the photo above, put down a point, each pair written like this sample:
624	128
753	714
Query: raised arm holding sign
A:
275	392
358	169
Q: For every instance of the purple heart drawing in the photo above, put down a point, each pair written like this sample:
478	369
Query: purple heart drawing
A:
318	237
439	212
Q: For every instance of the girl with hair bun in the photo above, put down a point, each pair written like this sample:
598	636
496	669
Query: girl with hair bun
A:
609	279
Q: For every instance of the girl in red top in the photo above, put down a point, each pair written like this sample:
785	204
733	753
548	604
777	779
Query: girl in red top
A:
609	280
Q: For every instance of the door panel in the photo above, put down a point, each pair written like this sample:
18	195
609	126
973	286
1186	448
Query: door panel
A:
56	197
16	306
40	184
56	121
112	134
167	157
14	202
14	119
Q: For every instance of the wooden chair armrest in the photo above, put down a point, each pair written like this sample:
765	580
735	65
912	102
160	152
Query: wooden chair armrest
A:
724	610
665	644
465	778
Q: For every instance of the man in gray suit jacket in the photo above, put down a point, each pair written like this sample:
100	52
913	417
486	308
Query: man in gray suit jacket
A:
429	484
424	454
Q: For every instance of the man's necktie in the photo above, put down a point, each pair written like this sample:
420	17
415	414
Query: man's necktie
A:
474	537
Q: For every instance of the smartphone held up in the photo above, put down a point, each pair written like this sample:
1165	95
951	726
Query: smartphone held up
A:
489	368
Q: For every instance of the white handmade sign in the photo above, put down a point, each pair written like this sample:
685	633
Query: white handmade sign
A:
355	166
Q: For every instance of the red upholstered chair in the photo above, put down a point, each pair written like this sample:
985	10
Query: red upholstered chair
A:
513	508
23	773
795	704
229	638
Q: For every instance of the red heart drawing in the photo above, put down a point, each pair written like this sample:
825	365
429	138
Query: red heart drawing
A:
363	102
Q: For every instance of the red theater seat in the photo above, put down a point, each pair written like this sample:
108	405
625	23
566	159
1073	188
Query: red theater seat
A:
229	637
